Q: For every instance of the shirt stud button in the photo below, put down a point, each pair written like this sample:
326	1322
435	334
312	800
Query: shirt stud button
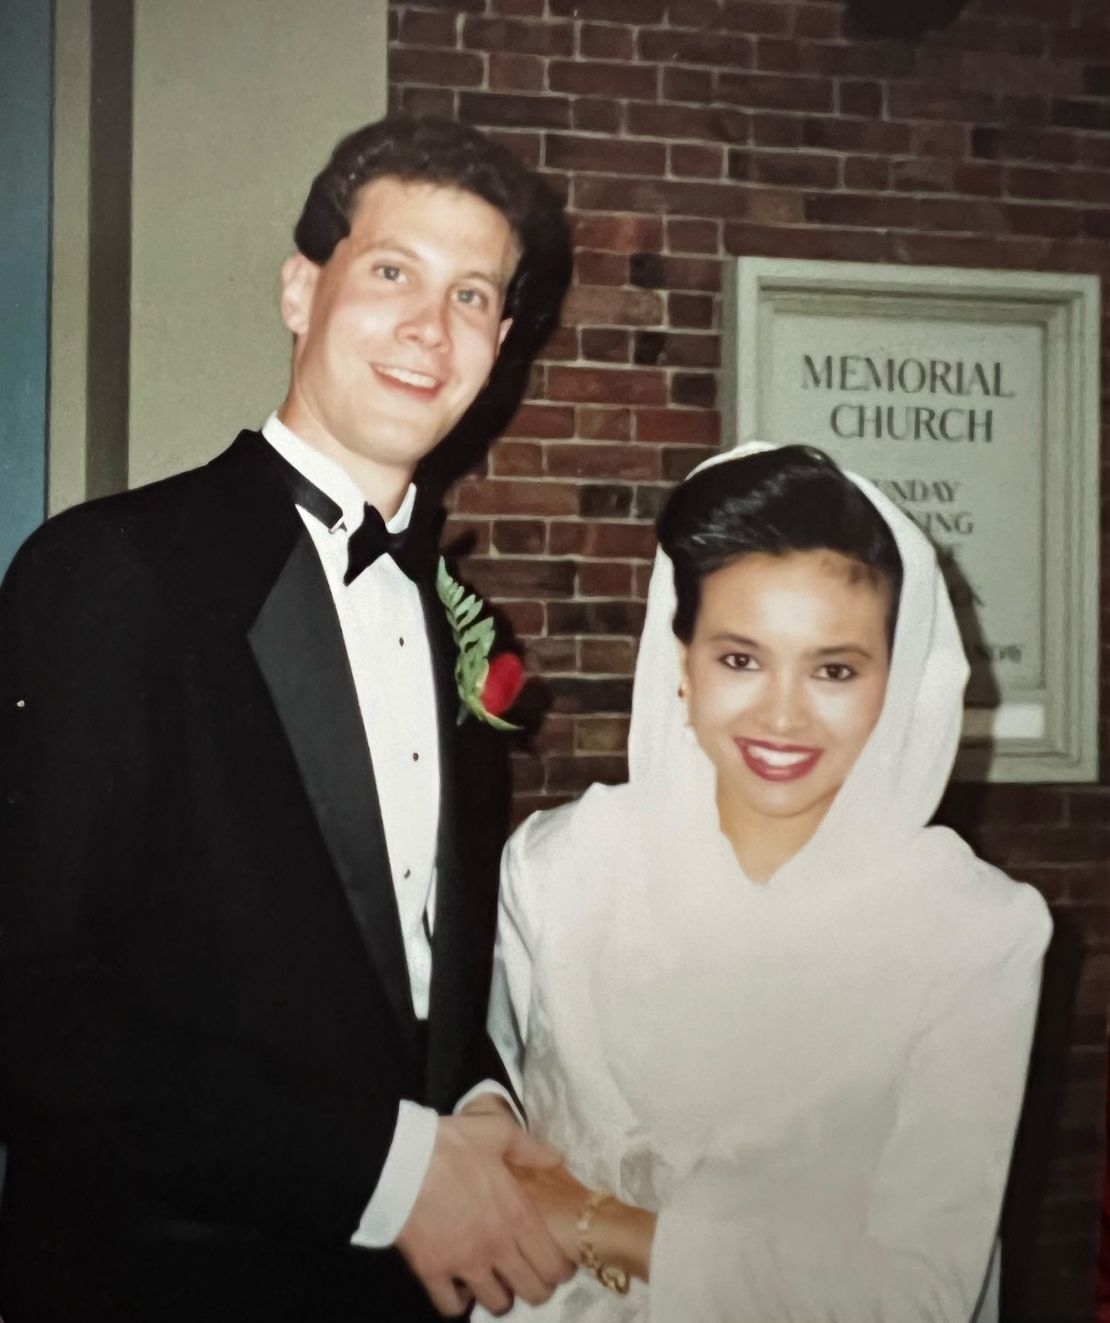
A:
408	872
401	642
415	757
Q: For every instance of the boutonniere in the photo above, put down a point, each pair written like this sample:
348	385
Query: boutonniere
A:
487	685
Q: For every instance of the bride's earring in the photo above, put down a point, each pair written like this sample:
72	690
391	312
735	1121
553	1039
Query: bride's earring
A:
687	729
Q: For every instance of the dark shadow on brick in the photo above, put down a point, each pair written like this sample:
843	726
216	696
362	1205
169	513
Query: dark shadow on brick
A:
544	281
905	19
1027	1219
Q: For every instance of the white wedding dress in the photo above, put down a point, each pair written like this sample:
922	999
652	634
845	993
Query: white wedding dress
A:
814	1082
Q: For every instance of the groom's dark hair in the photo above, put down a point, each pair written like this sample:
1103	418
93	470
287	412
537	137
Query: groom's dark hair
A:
424	150
778	501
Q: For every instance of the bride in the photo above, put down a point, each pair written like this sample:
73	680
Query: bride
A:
778	1026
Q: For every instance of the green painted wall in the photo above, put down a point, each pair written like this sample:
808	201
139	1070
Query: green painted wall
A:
184	183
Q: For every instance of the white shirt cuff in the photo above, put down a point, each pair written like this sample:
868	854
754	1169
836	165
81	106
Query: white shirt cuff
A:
403	1174
490	1086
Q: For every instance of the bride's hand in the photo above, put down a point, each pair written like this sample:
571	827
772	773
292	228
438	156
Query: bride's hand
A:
621	1235
559	1199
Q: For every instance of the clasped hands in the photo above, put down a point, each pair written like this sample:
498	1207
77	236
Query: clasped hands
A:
495	1215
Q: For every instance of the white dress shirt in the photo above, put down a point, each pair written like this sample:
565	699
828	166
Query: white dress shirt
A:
382	622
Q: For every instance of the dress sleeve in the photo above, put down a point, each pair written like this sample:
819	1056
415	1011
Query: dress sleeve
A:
922	1253
514	953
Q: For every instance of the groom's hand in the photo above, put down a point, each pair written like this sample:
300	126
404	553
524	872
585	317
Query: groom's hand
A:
472	1233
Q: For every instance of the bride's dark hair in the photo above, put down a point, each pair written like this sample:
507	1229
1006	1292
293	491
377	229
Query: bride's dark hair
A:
775	502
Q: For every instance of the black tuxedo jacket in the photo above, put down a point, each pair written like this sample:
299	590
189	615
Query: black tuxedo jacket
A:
205	1016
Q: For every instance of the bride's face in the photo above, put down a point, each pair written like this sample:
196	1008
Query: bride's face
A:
785	677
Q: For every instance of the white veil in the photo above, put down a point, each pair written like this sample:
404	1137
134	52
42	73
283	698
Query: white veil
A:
733	1053
898	780
677	902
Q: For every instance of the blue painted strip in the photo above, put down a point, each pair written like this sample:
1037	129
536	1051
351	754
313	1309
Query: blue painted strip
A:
26	101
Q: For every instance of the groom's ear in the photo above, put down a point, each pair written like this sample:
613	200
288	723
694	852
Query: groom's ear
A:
298	286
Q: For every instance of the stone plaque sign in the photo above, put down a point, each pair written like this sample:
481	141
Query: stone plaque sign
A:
971	398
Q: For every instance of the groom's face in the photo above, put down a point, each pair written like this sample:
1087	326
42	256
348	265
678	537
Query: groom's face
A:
398	331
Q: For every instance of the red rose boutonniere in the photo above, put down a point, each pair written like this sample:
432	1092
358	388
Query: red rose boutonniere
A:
487	685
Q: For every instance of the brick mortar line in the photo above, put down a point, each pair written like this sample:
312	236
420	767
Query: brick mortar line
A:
885	80
836	81
1029	163
759	186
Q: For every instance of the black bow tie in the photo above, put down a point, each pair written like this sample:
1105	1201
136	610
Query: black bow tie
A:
413	548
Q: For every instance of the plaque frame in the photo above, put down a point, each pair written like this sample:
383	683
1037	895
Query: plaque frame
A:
997	743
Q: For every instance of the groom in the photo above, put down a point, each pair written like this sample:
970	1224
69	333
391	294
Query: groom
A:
247	856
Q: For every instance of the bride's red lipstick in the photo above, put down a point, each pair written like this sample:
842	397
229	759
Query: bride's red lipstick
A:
804	759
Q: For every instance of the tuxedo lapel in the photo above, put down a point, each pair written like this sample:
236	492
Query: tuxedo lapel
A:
441	644
298	644
445	1043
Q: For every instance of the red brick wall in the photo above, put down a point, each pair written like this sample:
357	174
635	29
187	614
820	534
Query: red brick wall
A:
684	132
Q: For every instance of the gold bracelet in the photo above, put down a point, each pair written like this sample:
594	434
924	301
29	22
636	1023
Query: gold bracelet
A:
609	1275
